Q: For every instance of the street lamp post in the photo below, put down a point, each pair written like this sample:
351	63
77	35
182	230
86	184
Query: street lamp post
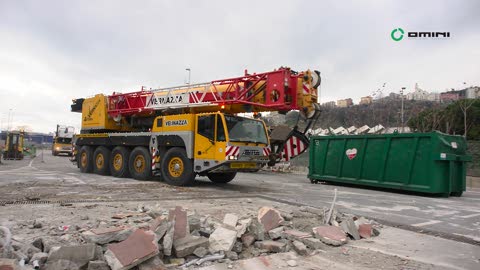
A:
189	72
403	123
8	119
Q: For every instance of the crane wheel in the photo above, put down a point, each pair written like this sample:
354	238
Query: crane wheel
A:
177	168
85	160
119	162
221	178
139	163
101	159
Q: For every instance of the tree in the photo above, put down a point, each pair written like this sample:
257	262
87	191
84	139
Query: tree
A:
464	105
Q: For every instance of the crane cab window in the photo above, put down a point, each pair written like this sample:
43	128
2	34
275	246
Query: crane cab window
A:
220	130
206	126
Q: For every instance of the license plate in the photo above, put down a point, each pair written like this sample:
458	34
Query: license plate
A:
242	165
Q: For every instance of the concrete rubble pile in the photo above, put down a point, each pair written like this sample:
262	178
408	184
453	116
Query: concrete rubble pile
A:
155	238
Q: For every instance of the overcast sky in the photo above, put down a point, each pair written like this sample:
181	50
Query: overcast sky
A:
53	51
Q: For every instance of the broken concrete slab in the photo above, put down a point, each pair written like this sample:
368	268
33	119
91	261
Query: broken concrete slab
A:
269	217
365	230
276	233
107	235
271	246
182	228
330	235
162	230
168	239
348	226
200	252
194	223
242	226
154	263
300	248
230	220
247	239
361	220
312	243
296	235
8	264
157	222
98	265
62	265
79	255
41	257
231	255
222	239
187	245
139	246
257	230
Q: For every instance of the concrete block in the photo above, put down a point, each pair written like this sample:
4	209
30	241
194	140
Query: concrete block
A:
271	246
138	247
154	263
98	265
296	235
230	220
312	243
182	228
242	226
276	233
330	235
365	230
79	255
300	248
222	239
200	252
168	239
248	239
187	245
348	226
257	230
103	236
269	217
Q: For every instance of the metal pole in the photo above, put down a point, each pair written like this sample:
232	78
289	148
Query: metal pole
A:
189	73
8	119
43	137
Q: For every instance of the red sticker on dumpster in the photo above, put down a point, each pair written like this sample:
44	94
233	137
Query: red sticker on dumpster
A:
351	153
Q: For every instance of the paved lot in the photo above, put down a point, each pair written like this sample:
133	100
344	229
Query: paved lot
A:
57	179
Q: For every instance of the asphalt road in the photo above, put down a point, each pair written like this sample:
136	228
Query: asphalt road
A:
55	178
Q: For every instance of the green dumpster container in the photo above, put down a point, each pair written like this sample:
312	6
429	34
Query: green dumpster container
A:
421	162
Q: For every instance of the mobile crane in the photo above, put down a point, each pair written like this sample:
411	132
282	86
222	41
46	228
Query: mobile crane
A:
62	143
190	130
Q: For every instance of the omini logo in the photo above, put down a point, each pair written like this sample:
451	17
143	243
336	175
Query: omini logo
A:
398	33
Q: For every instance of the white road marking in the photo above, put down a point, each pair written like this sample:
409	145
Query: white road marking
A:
470	216
31	161
431	222
75	180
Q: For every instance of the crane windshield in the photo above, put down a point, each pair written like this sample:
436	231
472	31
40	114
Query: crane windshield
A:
63	140
242	129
